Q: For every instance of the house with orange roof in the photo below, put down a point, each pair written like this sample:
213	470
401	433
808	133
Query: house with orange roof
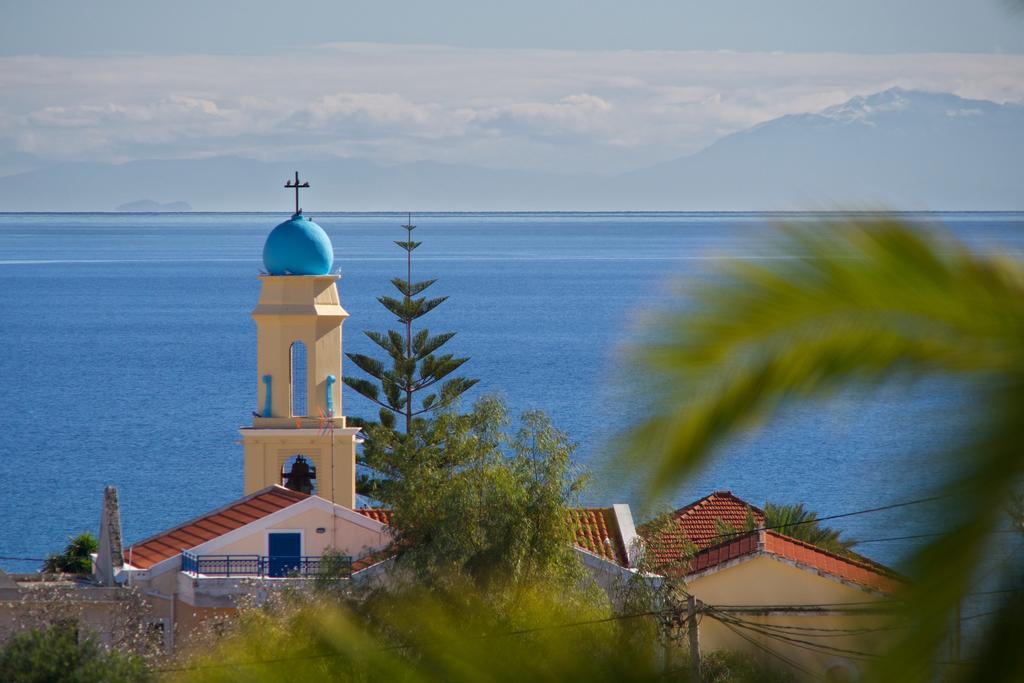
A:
779	598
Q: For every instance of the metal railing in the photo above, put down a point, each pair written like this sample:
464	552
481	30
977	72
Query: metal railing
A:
281	566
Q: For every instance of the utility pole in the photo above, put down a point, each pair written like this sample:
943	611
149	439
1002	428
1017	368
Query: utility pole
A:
691	628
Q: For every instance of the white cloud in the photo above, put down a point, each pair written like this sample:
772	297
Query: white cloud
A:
552	109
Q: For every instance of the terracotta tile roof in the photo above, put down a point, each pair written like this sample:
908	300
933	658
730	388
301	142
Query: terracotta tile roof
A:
370	559
863	573
696	524
382	515
164	545
597	531
723	552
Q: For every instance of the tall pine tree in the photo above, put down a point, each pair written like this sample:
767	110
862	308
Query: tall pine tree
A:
418	380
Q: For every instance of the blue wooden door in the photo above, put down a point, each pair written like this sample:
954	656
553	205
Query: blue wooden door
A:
284	550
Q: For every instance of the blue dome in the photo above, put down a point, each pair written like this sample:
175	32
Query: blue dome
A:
298	247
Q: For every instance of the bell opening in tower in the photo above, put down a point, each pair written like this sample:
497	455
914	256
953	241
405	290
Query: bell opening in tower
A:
299	474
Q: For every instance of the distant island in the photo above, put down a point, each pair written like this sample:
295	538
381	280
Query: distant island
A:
150	206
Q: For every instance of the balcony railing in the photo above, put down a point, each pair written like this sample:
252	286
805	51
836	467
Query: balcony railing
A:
260	565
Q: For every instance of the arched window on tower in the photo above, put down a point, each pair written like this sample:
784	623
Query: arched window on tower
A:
299	474
299	379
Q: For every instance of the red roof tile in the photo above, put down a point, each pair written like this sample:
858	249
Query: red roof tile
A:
154	549
595	530
382	515
696	524
863	573
858	571
370	559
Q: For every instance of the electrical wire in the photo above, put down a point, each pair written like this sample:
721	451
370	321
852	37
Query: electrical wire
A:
503	634
978	616
23	559
719	613
825	632
819	648
882	508
767	649
997	592
911	537
817	605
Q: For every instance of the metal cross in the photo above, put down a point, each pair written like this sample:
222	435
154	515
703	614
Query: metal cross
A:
290	184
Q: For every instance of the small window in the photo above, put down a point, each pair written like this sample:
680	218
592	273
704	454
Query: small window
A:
300	379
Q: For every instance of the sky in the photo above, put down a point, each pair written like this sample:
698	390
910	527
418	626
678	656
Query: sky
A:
533	85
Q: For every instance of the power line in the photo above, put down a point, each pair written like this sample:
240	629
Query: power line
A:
817	605
997	592
592	622
720	613
765	648
824	632
978	616
504	634
796	642
766	628
23	559
859	541
815	520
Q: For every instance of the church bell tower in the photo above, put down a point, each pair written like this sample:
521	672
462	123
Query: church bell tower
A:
298	437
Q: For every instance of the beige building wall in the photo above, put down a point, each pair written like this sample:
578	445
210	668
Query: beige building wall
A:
339	534
117	617
189	618
767	581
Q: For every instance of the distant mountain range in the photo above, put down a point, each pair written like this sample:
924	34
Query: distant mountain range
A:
149	206
897	149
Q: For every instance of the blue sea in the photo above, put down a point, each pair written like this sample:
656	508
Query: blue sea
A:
127	357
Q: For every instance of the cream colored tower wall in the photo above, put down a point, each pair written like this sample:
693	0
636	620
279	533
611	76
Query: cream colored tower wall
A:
298	308
304	308
267	450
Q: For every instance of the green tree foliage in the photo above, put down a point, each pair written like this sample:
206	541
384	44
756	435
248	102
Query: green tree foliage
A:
481	504
864	302
795	521
416	369
413	636
58	655
75	558
726	666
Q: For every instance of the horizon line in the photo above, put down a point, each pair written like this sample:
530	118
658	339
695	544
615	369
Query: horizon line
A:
500	212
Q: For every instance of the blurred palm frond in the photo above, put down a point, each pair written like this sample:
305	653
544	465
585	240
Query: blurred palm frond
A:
854	303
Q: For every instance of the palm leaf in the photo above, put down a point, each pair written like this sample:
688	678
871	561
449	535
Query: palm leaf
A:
864	303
